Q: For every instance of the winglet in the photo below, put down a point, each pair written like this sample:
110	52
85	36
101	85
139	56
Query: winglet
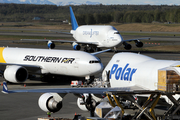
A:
73	19
5	88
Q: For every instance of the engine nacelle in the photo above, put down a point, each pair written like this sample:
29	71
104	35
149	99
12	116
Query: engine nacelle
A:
127	46
51	45
84	103
81	104
76	46
50	102
15	74
139	43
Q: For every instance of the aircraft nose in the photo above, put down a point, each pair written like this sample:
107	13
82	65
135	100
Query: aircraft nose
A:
97	67
119	41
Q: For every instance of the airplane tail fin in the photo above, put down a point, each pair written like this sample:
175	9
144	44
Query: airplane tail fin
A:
73	20
5	88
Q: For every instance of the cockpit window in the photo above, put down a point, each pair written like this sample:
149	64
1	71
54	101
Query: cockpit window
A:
116	32
94	61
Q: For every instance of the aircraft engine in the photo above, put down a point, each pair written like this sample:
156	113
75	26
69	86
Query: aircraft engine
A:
127	46
76	46
51	45
15	74
84	102
81	104
138	43
50	102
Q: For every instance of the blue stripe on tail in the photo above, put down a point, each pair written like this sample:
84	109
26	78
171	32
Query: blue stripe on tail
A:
73	20
5	88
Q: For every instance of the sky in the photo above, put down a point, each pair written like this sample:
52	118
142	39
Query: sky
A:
139	2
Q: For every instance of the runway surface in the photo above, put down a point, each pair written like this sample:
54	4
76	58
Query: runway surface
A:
57	33
24	106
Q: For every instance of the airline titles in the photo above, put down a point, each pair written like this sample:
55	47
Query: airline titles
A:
91	33
121	73
48	59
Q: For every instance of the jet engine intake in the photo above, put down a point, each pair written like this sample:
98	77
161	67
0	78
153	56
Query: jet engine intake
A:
138	43
15	74
76	46
51	45
50	102
88	102
127	46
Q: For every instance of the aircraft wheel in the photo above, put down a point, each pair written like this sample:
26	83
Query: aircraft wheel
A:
85	49
99	49
91	50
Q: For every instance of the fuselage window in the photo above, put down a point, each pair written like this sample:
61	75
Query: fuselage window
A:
116	33
94	61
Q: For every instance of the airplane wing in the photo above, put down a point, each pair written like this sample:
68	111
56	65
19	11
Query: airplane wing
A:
148	38
61	41
119	90
95	53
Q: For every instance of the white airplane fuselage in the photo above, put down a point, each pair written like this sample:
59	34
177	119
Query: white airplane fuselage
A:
131	69
104	36
61	62
93	37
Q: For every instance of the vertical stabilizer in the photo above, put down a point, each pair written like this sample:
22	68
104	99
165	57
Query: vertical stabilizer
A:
73	20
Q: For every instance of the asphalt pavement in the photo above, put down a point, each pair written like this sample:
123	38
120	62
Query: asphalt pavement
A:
24	106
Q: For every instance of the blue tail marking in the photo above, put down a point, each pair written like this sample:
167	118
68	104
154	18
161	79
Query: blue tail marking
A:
73	20
5	88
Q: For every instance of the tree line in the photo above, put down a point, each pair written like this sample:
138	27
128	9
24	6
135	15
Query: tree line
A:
92	14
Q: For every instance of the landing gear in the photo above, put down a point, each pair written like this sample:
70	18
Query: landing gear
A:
88	80
98	49
88	49
91	49
91	105
115	50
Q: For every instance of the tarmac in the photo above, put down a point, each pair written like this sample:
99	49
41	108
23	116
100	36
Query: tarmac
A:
24	106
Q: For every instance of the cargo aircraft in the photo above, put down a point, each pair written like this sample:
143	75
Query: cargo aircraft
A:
129	76
93	37
17	63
